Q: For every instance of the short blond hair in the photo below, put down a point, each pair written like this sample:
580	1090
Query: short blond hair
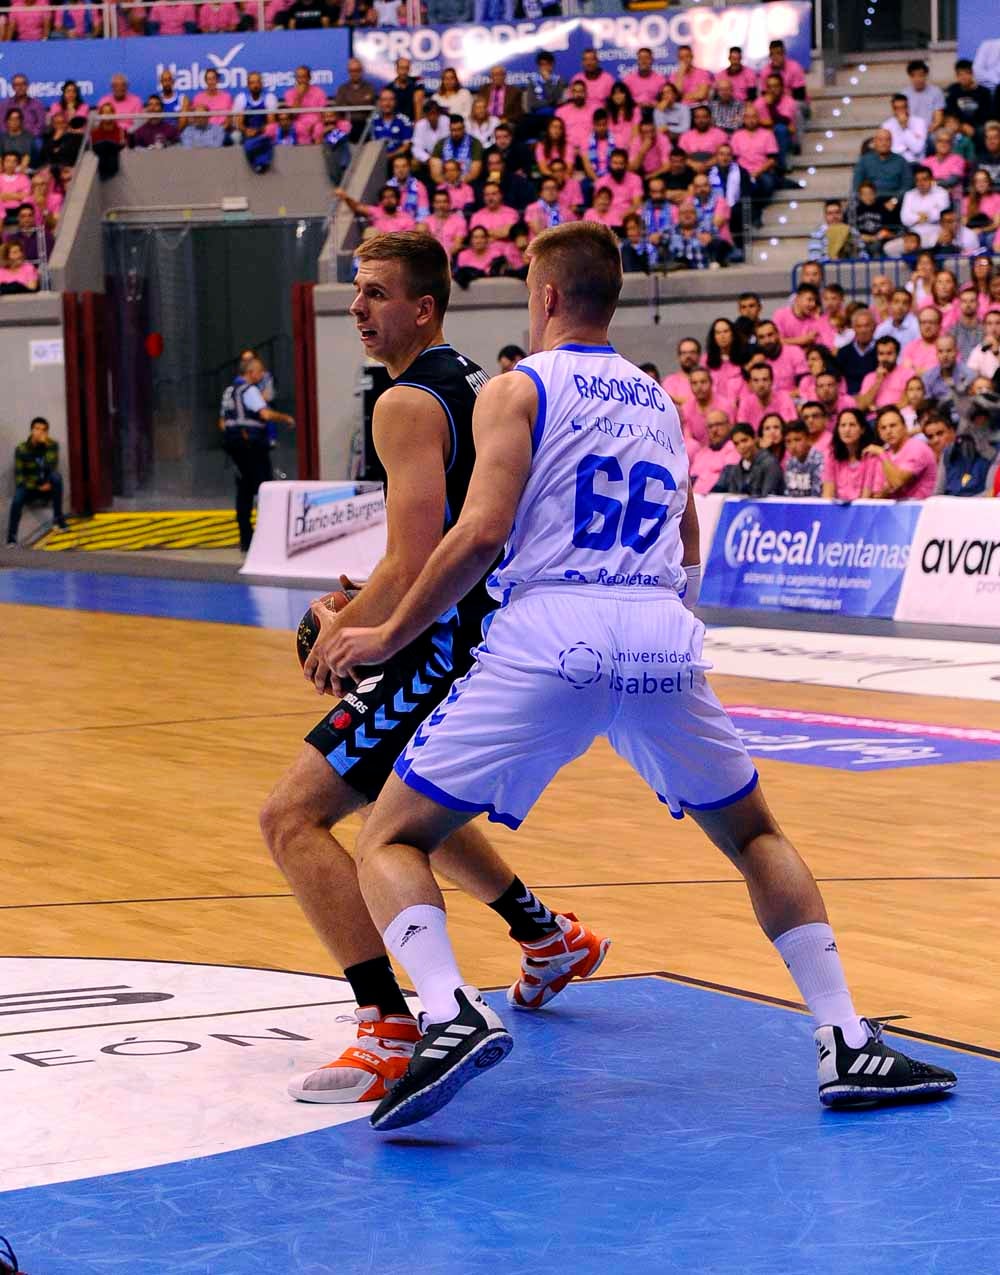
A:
584	261
424	262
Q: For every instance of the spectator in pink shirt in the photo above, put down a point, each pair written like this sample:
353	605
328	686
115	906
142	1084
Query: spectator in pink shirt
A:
848	474
644	83
29	21
741	77
758	396
173	19
383	217
756	150
802	324
217	102
947	168
14	187
678	384
725	354
907	466
305	94
122	102
554	145
596	82
495	217
792	75
778	111
885	386
571	201
829	391
447	226
981	207
921	355
623	115
577	115
601	211
787	361
703	400
708	462
702	139
216	17
649	154
813	416
476	261
626	188
459	192
692	82
16	274
545	212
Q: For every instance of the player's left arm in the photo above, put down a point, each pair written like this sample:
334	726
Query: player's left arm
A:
502	425
691	555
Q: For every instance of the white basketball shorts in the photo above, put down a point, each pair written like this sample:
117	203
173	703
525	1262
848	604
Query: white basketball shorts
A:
560	665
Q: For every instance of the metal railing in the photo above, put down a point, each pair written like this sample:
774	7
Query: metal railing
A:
855	274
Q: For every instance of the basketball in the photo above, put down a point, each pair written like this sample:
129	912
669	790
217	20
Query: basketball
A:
308	630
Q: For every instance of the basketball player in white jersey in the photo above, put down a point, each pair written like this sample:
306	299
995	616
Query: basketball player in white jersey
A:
581	469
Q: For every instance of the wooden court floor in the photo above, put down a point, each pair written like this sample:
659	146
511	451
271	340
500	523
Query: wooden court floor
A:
137	752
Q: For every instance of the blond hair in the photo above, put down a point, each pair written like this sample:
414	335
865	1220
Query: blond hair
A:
584	261
424	261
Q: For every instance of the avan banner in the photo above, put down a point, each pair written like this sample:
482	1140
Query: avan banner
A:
472	49
803	555
92	63
953	575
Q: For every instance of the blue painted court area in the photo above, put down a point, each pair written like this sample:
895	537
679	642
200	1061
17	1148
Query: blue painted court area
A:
641	1126
262	606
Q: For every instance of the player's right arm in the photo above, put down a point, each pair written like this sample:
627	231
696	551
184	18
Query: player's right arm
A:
691	555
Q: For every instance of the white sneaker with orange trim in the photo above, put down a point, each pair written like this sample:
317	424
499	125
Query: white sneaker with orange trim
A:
364	1072
549	964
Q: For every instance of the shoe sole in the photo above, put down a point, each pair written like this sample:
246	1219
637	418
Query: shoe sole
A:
352	1094
490	1051
861	1096
530	1009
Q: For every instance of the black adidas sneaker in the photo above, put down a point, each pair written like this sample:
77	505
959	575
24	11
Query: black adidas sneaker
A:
874	1073
446	1057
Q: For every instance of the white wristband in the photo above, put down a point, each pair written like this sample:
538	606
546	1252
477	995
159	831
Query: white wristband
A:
693	587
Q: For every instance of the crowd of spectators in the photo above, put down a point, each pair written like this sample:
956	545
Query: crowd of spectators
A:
672	162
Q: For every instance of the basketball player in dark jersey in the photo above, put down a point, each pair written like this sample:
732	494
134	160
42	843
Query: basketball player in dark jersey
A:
422	429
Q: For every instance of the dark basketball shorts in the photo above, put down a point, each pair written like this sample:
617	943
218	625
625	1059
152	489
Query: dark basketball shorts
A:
369	728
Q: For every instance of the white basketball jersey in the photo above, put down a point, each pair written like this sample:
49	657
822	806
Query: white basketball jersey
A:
609	477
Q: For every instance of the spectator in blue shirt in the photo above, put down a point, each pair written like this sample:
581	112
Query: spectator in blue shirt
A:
389	127
688	247
201	133
891	175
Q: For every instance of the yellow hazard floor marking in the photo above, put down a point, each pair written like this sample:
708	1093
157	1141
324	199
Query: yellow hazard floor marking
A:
156	529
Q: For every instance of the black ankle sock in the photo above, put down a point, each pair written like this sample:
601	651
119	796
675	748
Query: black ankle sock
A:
374	983
529	919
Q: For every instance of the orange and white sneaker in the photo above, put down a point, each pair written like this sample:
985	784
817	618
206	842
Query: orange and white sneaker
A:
548	965
364	1072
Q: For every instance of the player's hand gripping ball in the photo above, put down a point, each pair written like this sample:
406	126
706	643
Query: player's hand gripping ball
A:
308	630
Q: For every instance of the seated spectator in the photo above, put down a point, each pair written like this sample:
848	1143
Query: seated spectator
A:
981	208
804	463
282	132
858	357
571	199
908	132
496	217
597	83
626	188
15	140
920	355
215	16
29	20
874	221
756	150
595	159
213	101
732	183
543	94
60	148
831	394
624	116
158	131
510	355
985	359
173	19
32	110
947	168
849	474
257	101
546	211
944	295
678	177
921	210
725	354
578	116
251	131
787	361
639	256
939	431
453	98
200	133
390	127
757	474
29	233
953	238
70	103
726	107
36	476
802	323
758	396
814	417
413	197
677	384
16	274
122	102
702	139
382	218
671	115
649	154
771	436
907	466
503	100
517	190
971	102
712	213
926	100
914	403
694	413
792	73
554	145
482	126
890	174
645	83
107	140
407	90
708	463
965	327
477	260
962	467
962	145
819	359
14	187
750	310
458	146
601	210
778	111
687	246
305	94
433	127
354	92
447	226
692	82
742	78
174	103
133	22
881	296
885	386
901	323
988	155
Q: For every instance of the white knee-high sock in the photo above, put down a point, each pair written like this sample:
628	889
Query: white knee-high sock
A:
810	952
418	939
